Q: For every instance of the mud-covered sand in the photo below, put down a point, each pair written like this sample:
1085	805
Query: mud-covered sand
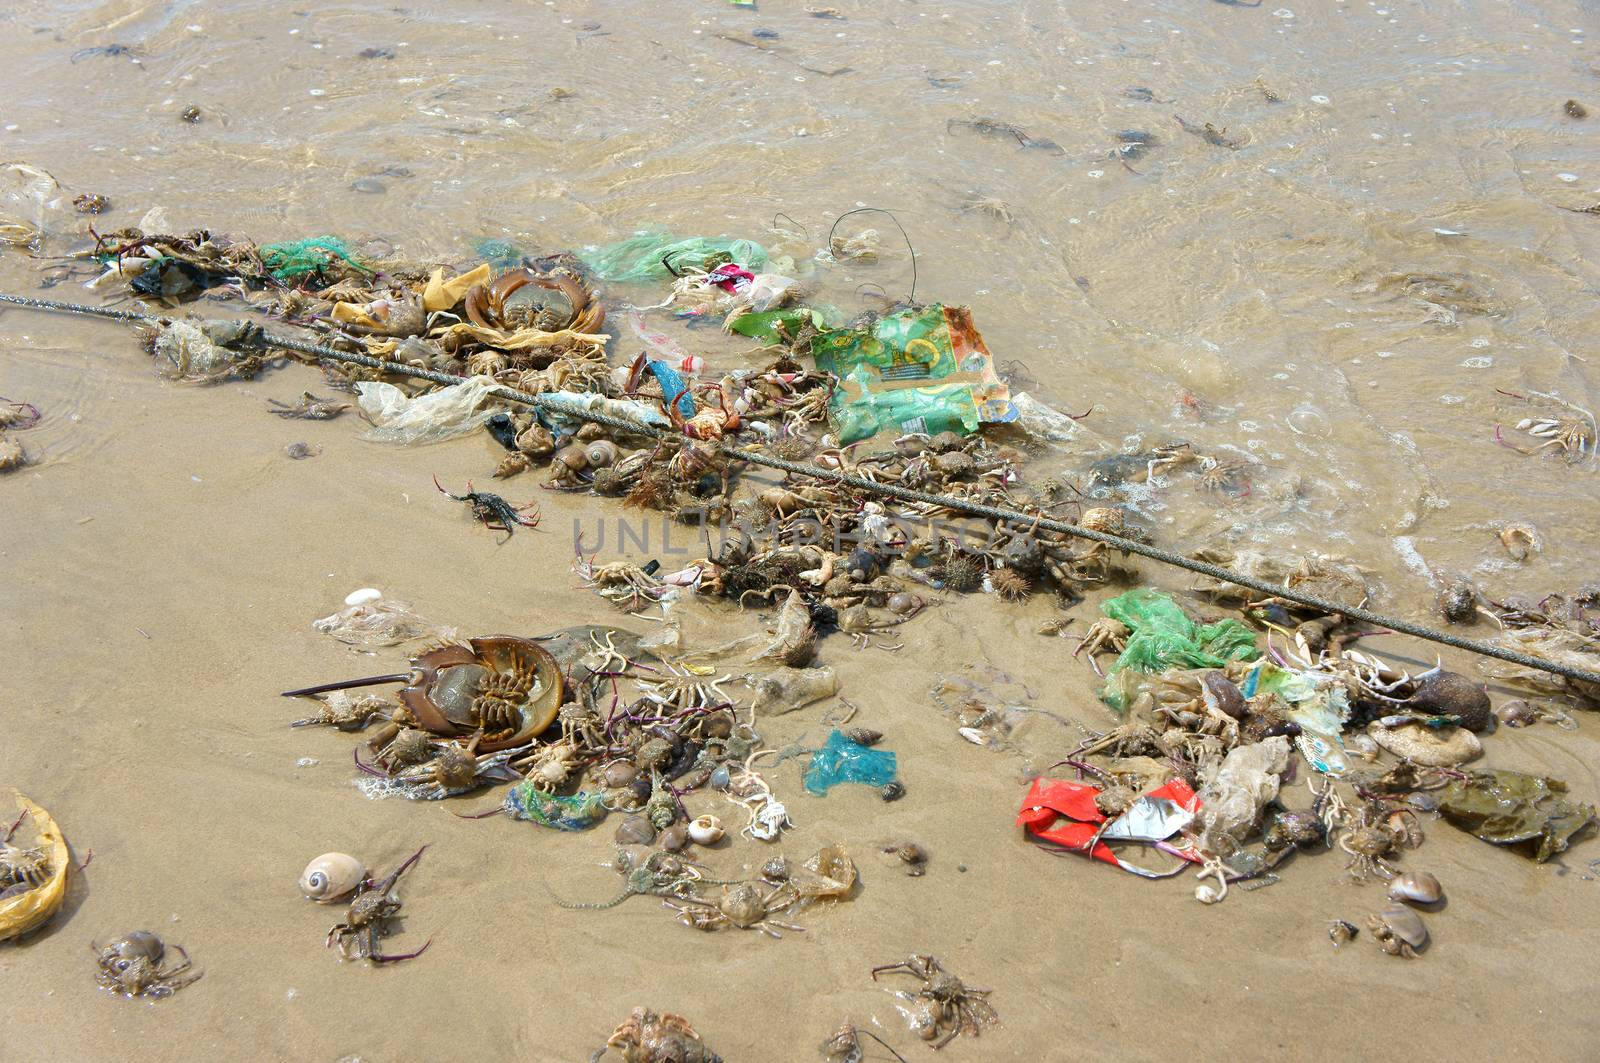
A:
162	560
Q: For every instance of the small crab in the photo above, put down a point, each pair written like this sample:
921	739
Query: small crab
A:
494	512
948	1006
549	767
742	906
347	713
1103	636
661	875
1368	843
309	408
1572	430
712	422
370	911
455	769
648	1037
131	966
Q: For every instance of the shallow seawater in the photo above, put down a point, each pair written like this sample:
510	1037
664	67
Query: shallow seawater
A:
1338	296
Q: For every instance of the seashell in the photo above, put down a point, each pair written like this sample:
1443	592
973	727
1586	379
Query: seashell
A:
573	456
1223	694
618	773
331	876
635	830
1517	713
1340	932
601	453
1454	695
675	838
1418	887
1399	930
1362	746
707	830
893	791
1520	540
1206	893
864	736
721	778
1420	744
902	604
136	945
363	596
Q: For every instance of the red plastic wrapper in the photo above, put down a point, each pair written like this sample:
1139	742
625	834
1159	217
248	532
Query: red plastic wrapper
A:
1064	813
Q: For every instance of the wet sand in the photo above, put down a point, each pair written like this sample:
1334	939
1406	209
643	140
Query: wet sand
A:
163	559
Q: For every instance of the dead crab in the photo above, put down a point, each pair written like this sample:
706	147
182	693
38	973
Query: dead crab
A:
1570	429
1104	636
661	875
741	906
1368	838
347	712
549	767
19	867
131	966
649	1037
712	422
945	1006
309	408
370	911
456	769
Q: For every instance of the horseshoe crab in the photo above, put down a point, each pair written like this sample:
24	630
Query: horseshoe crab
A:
508	688
488	305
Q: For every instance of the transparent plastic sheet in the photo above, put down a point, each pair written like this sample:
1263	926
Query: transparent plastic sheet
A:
184	351
381	623
639	257
1233	793
429	418
1044	422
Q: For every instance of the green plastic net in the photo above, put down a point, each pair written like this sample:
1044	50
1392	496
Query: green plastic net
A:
1165	637
639	257
295	259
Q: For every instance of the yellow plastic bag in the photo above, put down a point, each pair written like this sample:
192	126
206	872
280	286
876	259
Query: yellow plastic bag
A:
441	294
32	909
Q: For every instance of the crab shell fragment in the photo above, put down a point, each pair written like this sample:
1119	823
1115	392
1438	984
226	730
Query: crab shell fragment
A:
442	708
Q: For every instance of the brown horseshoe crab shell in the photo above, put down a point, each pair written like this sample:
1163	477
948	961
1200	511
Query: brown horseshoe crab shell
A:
443	708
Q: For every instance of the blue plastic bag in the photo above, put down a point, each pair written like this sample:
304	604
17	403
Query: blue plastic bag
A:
841	760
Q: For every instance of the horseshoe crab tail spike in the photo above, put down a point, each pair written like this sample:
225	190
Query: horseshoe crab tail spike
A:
346	684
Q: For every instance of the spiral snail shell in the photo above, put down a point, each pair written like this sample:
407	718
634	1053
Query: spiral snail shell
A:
707	830
601	453
331	876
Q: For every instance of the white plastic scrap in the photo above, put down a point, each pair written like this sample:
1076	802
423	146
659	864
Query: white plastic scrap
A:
429	418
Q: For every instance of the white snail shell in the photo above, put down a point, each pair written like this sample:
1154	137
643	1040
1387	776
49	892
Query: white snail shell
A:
707	830
363	596
331	876
1206	893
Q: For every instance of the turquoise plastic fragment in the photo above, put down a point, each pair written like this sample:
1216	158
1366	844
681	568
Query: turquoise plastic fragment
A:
841	760
579	812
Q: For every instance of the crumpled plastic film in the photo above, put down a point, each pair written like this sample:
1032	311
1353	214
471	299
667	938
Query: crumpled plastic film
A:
841	760
1241	787
429	418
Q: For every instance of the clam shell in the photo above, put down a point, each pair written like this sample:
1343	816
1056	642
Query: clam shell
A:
707	830
1418	887
363	596
1420	744
331	876
1406	925
1454	695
